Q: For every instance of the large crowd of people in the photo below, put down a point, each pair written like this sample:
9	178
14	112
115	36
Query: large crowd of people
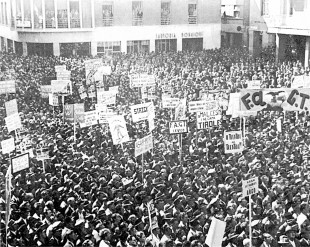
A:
93	193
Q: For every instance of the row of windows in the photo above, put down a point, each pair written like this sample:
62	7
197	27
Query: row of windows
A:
71	14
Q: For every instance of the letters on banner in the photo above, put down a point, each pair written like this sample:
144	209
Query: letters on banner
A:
46	90
180	110
63	75
142	111
7	87
143	145
249	187
142	80
281	99
202	105
69	113
13	122
20	162
170	102
78	113
90	118
8	146
255	84
61	86
233	142
11	107
53	99
216	233
118	129
91	69
106	97
208	119
178	127
60	68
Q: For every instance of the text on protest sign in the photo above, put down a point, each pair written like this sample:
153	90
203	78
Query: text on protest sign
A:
140	112
114	89
202	106
8	146
233	142
301	81
7	87
91	69
106	97
180	110
118	128
143	145
20	162
142	80
78	113
46	90
13	122
170	102
69	113
90	118
11	107
255	84
63	75
178	127
61	86
53	99
104	114
281	99
249	187
208	119
60	68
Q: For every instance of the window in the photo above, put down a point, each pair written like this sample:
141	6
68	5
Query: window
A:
37	14
12	16
1	19
108	47
165	13
107	14
264	7
62	14
74	7
138	46
192	13
50	21
291	7
137	13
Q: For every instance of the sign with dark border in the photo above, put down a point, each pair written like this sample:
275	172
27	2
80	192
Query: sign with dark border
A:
20	162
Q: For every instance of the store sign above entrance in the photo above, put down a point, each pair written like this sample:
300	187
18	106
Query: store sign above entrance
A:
165	36
192	35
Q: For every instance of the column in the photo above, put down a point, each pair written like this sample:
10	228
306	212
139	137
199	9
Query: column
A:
152	45
14	12
93	48
231	40
0	43
251	42
32	14
68	14
280	47
81	14
56	19
124	46
56	49
307	48
179	44
43	14
13	46
93	25
6	44
25	49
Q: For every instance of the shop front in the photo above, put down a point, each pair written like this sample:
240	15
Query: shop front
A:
165	42
192	41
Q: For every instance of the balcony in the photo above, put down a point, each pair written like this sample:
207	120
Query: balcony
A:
231	24
288	21
137	21
165	21
192	19
107	21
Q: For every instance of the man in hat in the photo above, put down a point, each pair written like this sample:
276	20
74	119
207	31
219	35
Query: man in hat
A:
290	232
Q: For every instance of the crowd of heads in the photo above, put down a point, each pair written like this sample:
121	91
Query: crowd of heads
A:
93	193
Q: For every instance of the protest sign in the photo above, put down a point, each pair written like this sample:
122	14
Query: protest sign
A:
255	84
45	90
114	89
170	102
233	105
180	110
143	145
53	99
43	156
233	141
118	129
178	127
78	113
13	122
61	86
104	114
249	187
216	233
60	68
106	97
142	80
202	106
8	146
301	81
140	112
90	118
63	75
91	69
7	87
20	162
11	107
69	113
270	99
209	119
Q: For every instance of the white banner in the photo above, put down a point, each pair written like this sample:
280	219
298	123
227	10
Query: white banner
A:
114	89
13	122
61	86
178	127
202	106
103	115
60	68
106	97
118	129
11	107
233	105
63	75
90	118
249	187
142	111
255	84
233	142
92	70
170	102
8	146
143	145
301	81
7	87
208	119
151	123
20	163
53	99
279	125
216	233
142	80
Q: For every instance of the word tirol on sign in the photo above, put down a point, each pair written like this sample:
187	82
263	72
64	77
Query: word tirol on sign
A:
281	99
178	127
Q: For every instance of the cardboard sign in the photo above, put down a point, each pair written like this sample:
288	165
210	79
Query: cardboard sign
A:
170	102
78	113
178	127
281	99
90	118
8	146
202	106
11	107
53	99
255	84
141	111
61	86
114	89
208	119
142	80
60	68
249	187
104	114
233	142
91	69
69	113
20	162
216	233
7	87
43	156
106	97
13	122
63	75
118	129
143	145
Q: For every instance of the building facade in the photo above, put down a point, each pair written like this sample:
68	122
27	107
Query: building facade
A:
288	20
94	27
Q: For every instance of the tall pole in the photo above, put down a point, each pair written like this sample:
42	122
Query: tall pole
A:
250	220
142	170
